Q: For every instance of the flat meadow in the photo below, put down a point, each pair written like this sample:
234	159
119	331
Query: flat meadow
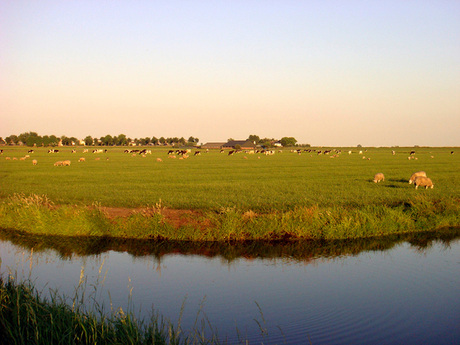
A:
244	185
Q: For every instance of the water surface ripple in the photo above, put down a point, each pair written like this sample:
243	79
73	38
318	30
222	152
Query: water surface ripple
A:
403	291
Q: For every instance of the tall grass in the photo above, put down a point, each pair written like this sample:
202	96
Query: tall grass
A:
30	319
36	215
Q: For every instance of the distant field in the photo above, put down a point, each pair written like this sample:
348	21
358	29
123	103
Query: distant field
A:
213	181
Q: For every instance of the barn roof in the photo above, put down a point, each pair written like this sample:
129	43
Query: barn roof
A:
242	143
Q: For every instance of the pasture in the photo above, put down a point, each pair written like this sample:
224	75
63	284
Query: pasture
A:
213	180
243	183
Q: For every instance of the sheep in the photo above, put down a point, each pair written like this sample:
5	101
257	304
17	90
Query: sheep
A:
159	160
379	177
66	163
8	158
81	159
423	181
34	162
414	176
58	163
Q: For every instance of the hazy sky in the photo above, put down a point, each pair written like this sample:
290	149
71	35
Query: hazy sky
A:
339	73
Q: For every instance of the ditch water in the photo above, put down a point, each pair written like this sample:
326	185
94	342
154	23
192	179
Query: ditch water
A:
400	290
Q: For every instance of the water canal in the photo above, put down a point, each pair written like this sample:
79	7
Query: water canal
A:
400	290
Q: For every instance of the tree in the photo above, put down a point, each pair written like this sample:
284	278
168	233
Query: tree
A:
120	140
288	141
254	138
12	139
65	140
107	140
154	140
88	140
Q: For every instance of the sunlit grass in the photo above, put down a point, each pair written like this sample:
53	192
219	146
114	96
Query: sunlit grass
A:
288	196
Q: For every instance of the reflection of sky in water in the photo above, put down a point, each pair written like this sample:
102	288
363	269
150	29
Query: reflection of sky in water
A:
401	295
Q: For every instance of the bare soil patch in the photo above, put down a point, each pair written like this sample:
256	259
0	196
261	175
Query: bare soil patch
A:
176	218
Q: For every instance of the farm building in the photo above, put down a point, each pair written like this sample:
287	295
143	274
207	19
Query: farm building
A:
243	144
214	145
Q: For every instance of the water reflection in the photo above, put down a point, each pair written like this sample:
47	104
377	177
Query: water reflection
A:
306	251
400	290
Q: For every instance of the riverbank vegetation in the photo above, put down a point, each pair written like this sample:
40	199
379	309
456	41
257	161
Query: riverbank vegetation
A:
219	197
28	318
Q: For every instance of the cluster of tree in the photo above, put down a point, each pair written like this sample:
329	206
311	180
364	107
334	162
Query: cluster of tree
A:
33	139
270	142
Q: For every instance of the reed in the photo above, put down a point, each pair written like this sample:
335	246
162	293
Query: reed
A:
37	215
30	319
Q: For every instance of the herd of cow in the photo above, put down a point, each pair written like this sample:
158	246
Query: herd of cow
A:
419	179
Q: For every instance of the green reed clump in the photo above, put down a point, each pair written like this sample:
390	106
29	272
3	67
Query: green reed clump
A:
27	318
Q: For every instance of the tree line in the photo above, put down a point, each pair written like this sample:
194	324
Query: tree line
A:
33	139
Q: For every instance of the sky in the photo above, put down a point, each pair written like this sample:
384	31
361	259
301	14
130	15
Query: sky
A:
328	73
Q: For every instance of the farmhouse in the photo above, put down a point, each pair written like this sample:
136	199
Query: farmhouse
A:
242	144
214	145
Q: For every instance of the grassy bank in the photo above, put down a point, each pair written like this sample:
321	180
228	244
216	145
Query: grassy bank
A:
27	318
217	197
38	215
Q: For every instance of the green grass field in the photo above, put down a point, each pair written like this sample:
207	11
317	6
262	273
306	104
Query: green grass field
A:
216	183
214	180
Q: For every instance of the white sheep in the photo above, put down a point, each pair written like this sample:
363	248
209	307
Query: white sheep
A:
423	181
414	176
34	162
82	159
379	177
66	163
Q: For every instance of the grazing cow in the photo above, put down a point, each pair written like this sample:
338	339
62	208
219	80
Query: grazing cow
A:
170	152
230	153
423	181
85	151
53	151
197	153
451	152
412	153
74	151
1	152
30	151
